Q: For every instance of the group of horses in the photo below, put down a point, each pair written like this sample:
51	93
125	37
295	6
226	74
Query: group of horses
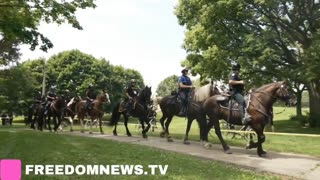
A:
206	104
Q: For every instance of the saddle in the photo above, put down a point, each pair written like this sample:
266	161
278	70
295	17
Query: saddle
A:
173	98
123	106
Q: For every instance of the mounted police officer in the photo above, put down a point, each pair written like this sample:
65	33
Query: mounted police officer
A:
50	97
90	97
236	85
131	94
185	86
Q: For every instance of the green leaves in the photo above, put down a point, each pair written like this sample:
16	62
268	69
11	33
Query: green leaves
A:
19	21
168	85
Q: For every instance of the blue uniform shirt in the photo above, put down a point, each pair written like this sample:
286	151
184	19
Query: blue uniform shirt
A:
185	80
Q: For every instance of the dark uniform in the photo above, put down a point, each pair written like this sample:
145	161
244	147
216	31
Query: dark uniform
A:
184	92
131	91
50	97
90	96
236	91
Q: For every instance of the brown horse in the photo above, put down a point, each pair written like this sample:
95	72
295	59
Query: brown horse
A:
259	106
171	107
140	111
95	113
56	111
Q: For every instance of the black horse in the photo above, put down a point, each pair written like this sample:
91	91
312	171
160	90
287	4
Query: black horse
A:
140	111
56	110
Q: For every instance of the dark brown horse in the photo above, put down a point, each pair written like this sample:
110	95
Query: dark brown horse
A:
171	107
56	111
260	102
141	111
95	113
36	116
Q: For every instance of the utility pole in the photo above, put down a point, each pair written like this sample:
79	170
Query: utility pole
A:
44	78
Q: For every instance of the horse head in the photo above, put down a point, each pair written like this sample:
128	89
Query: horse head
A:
104	97
145	95
283	93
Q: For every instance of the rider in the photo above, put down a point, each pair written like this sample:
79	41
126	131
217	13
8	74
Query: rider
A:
131	94
38	98
90	96
185	86
50	97
236	85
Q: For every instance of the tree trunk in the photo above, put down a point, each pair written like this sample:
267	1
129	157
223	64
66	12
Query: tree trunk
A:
314	98
299	106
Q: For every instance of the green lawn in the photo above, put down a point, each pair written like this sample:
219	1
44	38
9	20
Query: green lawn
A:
34	147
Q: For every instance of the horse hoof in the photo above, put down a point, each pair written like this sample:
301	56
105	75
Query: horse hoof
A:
115	134
262	153
129	135
162	134
82	131
228	151
186	142
90	132
145	136
169	139
102	132
207	145
71	130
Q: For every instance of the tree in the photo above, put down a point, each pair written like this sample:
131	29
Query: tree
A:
270	39
168	85
16	90
19	21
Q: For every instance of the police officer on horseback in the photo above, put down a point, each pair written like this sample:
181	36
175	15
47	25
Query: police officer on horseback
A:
50	97
185	86
90	97
131	94
236	85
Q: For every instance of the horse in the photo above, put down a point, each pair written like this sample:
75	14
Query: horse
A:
259	106
56	110
70	111
170	107
38	112
140	111
95	113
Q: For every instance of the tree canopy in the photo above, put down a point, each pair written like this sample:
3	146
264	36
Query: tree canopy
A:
19	21
271	39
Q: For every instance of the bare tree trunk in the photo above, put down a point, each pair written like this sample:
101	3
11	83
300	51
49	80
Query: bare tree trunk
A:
314	96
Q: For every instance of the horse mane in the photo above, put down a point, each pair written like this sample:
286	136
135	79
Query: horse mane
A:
202	93
267	86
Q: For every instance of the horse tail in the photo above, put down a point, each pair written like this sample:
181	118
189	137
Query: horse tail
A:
30	113
115	115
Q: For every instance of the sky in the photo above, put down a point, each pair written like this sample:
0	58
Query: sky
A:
138	34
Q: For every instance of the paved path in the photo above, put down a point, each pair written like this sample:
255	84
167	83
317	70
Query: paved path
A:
296	166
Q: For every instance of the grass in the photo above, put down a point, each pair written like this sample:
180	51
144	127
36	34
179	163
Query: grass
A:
49	148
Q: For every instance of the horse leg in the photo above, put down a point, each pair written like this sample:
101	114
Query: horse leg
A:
126	125
217	129
59	118
90	130
167	124
100	125
186	141
81	118
162	119
144	135
71	123
261	139
144	132
116	123
48	123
